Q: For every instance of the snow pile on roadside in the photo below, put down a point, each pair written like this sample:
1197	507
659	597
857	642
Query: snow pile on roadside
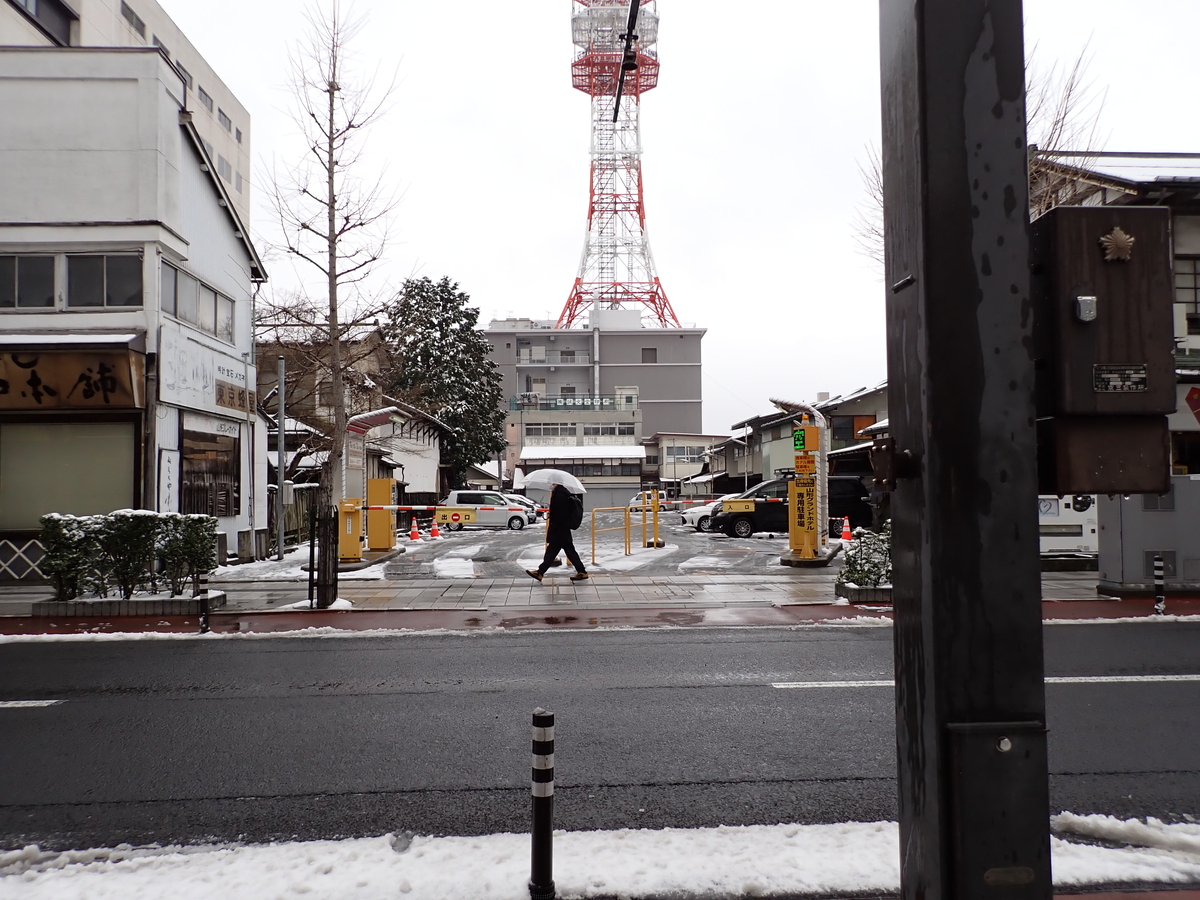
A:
1153	832
749	861
290	568
754	860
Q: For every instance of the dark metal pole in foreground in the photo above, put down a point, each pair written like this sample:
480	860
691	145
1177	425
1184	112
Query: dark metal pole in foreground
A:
541	872
1160	591
970	700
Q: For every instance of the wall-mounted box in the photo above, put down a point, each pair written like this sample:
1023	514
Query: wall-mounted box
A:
1103	328
1104	347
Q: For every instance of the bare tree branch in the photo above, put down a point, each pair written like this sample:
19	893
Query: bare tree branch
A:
1063	111
330	217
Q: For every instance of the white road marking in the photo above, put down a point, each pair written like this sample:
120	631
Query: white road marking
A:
28	704
1053	679
832	684
1116	679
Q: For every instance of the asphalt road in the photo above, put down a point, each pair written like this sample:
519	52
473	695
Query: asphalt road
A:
255	739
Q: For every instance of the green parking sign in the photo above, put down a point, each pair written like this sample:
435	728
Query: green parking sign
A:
798	439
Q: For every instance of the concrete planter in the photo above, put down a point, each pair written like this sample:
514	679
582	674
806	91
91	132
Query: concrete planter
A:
865	596
157	605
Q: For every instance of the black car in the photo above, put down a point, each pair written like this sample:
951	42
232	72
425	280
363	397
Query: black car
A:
848	496
770	512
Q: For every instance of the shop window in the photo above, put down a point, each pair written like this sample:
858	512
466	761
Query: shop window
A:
104	281
26	282
210	470
73	468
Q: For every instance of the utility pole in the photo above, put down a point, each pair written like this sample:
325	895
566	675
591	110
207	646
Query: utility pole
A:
970	699
280	456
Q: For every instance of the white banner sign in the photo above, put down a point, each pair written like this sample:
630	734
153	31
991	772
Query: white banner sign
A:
194	375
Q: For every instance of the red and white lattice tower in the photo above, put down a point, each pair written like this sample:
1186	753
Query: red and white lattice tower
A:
617	269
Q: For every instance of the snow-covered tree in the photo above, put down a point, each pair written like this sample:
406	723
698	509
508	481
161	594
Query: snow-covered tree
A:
442	364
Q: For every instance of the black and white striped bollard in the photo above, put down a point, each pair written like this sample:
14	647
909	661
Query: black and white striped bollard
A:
541	876
1160	591
204	604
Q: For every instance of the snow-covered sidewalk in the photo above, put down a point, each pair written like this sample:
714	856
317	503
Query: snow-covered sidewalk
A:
753	861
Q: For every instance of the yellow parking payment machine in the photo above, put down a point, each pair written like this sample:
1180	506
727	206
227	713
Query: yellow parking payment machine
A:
350	530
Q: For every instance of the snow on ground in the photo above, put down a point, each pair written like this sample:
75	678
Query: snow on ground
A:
339	603
612	558
453	567
745	861
288	569
1151	833
703	562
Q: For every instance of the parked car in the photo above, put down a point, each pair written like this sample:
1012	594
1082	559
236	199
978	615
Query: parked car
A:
848	496
520	500
770	511
700	516
492	510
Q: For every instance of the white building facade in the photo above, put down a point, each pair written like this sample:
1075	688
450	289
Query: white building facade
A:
220	119
127	280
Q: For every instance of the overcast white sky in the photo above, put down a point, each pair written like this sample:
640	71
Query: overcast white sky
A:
751	149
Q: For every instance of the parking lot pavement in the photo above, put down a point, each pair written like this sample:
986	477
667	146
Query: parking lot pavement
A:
484	569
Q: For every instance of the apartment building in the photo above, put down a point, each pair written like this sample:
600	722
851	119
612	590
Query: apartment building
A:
583	399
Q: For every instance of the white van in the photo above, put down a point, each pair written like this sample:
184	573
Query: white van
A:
492	510
1068	524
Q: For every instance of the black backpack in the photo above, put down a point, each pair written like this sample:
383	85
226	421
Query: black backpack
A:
576	511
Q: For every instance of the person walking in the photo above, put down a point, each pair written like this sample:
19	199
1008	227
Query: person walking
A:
566	514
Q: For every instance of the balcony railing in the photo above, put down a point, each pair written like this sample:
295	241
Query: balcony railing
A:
572	403
554	358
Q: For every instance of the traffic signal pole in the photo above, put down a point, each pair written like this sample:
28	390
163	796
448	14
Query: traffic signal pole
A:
970	701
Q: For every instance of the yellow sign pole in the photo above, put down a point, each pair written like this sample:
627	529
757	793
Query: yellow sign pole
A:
802	526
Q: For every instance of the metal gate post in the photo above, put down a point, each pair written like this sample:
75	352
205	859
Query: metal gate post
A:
970	700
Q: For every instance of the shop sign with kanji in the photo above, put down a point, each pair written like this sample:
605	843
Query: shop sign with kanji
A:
37	379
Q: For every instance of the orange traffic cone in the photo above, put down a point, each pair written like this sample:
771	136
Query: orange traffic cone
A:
433	532
414	535
846	535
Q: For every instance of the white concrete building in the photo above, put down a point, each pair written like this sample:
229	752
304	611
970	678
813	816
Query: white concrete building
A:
127	280
221	121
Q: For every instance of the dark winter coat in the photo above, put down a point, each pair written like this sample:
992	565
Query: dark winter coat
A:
562	512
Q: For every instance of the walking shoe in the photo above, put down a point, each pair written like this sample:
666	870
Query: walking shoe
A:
580	576
534	574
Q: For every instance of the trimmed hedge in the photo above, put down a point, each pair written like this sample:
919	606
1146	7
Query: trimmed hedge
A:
129	549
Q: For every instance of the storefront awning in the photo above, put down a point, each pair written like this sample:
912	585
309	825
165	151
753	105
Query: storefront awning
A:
86	340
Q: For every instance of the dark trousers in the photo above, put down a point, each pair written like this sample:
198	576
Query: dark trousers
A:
564	543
